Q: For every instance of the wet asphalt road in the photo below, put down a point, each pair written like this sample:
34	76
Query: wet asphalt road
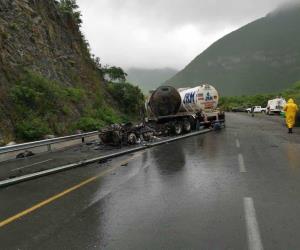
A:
234	189
48	160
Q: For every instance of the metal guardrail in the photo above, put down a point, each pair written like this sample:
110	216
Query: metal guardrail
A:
23	178
47	142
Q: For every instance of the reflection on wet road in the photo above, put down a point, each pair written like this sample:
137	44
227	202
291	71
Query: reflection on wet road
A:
233	189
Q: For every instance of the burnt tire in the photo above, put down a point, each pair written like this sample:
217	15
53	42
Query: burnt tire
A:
116	138
148	136
178	128
187	126
132	139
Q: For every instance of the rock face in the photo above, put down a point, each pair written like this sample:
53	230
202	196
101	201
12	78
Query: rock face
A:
36	36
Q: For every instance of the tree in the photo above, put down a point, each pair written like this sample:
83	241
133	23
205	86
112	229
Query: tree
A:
115	73
71	7
97	62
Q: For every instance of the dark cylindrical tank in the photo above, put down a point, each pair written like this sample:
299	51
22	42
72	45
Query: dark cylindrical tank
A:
165	100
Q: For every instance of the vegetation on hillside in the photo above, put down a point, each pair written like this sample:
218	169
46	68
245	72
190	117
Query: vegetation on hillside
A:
40	106
228	103
261	57
114	74
56	85
71	7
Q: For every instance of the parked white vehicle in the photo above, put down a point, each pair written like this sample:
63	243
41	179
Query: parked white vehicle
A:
257	109
275	106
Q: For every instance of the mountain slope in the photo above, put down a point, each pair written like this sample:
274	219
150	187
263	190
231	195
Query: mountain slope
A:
49	83
148	79
263	56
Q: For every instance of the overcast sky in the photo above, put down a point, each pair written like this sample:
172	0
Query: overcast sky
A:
163	33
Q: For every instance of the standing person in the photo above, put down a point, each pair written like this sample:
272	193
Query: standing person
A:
252	111
290	109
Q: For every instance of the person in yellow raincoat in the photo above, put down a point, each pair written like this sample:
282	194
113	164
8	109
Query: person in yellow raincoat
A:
290	109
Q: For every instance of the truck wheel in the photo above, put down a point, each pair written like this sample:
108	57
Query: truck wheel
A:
131	139
147	136
187	127
116	138
178	128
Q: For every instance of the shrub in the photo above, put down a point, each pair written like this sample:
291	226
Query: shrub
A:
115	74
14	26
25	95
129	97
107	115
32	129
89	124
71	7
74	94
37	93
51	106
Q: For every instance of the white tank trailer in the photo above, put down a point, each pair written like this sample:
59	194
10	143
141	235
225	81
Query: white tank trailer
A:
184	109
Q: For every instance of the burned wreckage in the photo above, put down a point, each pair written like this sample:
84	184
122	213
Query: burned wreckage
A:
169	111
128	134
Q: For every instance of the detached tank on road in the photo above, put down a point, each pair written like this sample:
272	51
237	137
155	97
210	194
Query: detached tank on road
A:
185	109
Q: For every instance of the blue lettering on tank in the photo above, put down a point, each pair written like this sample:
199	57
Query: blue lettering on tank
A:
192	97
208	97
189	98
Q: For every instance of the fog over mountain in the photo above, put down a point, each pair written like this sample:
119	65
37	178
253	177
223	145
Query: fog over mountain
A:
149	79
261	57
168	33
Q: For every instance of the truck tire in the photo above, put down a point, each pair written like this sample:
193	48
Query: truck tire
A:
178	128
116	138
187	127
131	139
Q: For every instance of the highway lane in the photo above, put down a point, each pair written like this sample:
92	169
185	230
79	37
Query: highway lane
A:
233	189
71	155
49	160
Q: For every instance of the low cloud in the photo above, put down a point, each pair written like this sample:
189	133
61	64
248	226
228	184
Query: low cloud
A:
163	33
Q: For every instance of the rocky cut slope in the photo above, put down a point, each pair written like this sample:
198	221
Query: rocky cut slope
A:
261	57
48	81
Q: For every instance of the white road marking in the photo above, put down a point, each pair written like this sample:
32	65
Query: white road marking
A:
237	143
31	165
254	240
242	164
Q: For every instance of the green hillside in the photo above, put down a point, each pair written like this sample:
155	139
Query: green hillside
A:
148	79
261	57
49	81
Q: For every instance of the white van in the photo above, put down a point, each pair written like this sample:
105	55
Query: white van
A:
275	106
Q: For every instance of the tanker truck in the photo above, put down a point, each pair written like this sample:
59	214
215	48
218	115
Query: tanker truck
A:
182	110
